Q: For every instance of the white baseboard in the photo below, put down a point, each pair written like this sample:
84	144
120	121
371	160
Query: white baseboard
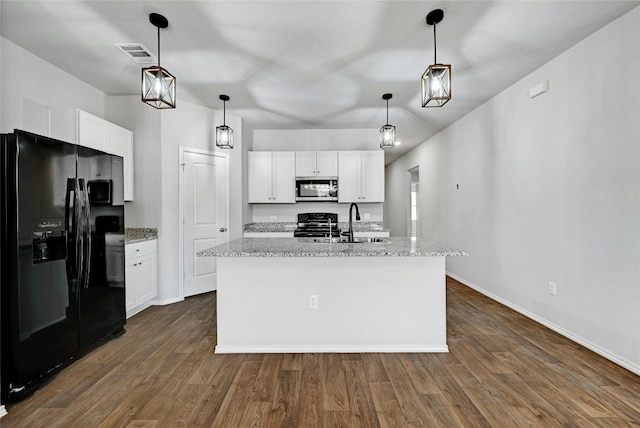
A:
3	411
297	349
593	347
138	309
154	302
163	302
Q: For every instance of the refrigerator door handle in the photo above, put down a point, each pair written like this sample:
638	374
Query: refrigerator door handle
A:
79	231
87	234
70	227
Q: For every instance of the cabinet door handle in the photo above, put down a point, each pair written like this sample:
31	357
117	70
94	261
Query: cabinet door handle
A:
223	229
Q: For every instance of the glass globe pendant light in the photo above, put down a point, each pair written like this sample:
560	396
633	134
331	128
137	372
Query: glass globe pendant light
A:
224	134
387	132
436	80
158	85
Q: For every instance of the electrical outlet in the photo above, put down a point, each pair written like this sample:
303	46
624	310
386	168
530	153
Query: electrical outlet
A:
366	216
274	217
552	288
313	301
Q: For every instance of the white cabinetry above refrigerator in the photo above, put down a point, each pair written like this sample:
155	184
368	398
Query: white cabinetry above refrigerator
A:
84	129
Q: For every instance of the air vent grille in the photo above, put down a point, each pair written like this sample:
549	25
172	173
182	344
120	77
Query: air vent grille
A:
137	53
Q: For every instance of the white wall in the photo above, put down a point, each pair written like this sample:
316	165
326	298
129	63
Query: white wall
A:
131	113
28	80
316	140
247	145
549	190
193	126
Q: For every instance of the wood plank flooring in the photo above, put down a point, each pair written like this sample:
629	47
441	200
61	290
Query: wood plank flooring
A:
503	371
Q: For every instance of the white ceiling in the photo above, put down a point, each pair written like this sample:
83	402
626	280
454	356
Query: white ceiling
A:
311	64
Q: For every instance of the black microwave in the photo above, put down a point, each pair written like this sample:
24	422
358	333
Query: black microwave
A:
316	189
100	192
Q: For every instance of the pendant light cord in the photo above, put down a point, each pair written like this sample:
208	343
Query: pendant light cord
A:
387	111
159	45
435	46
224	113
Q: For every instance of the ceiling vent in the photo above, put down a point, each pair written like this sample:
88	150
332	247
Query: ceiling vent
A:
137	52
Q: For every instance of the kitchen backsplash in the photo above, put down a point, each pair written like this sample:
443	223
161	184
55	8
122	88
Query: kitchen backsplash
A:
289	212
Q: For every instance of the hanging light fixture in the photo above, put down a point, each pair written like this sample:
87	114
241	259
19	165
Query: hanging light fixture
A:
224	134
158	85
436	80
387	132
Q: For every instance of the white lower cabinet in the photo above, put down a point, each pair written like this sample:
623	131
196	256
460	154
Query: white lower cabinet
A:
141	270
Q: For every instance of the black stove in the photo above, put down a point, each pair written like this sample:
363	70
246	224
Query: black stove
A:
317	225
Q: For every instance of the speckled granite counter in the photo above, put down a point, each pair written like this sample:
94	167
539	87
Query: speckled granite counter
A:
358	226
139	234
301	247
270	227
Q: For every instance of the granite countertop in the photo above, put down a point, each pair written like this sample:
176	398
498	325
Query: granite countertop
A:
301	247
272	226
140	234
358	226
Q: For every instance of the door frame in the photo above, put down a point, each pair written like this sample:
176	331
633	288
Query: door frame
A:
183	150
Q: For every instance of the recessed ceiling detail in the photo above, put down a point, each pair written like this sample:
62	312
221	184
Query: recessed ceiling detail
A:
311	64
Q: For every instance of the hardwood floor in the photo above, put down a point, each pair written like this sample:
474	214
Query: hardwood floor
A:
503	371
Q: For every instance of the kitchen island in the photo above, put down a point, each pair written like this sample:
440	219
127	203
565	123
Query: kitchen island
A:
295	295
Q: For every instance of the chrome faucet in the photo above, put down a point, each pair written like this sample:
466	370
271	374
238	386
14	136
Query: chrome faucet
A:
349	233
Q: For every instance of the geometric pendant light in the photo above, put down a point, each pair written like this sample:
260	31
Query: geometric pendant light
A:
436	80
224	134
158	85
387	132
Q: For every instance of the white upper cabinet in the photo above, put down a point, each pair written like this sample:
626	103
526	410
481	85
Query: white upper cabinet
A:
93	132
317	164
305	164
272	177
373	176
84	129
260	177
121	144
361	176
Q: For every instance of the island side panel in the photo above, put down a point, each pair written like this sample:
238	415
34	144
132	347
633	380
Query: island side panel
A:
365	304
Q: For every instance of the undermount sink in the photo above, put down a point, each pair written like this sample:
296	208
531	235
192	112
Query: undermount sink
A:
344	240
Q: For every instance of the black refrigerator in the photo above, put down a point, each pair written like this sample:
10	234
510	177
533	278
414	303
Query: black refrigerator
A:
59	201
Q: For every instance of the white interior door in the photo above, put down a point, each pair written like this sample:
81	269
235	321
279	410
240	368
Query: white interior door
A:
205	222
